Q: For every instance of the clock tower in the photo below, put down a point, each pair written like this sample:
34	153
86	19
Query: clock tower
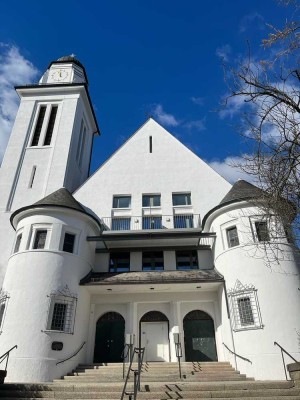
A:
50	144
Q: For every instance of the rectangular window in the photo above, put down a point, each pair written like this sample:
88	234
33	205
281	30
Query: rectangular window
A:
152	222
186	260
245	311
18	242
232	236
2	310
3	306
183	221
81	143
262	231
119	262
153	261
50	127
58	317
40	239
69	242
38	127
120	224
151	200
121	201
181	199
32	176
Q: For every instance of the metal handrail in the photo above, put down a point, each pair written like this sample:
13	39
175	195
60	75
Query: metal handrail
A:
6	356
283	361
73	355
237	355
178	350
137	374
127	350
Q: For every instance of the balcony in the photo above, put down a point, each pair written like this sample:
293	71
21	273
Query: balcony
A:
151	222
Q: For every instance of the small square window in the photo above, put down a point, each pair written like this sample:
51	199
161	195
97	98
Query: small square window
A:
69	242
119	262
232	236
40	239
181	199
121	201
18	243
151	200
262	231
186	260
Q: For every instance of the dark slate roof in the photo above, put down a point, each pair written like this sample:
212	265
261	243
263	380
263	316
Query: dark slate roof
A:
100	278
60	198
70	58
242	190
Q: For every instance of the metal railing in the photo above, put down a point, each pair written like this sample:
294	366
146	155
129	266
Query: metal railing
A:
139	351
127	351
178	350
237	355
150	222
5	356
73	355
283	361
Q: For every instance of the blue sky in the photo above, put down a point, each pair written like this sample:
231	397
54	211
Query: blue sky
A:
157	57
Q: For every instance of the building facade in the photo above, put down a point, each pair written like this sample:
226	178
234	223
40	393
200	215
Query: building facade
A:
153	244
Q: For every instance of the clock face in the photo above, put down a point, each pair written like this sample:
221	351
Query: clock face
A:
60	75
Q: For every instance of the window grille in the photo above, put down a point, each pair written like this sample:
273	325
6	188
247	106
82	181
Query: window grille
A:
62	310
232	236
3	306
244	307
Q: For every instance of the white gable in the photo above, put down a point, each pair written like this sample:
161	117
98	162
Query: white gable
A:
134	170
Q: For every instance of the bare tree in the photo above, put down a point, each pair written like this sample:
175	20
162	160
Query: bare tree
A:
270	92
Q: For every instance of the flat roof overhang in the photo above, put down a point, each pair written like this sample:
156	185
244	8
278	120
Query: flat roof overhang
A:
153	238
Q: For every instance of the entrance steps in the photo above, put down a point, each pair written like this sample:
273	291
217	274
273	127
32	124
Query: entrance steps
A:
159	381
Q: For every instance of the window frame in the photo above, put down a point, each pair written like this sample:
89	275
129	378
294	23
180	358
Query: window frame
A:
45	124
18	234
151	198
119	196
119	268
153	260
186	204
34	229
73	243
228	230
72	231
191	266
4	297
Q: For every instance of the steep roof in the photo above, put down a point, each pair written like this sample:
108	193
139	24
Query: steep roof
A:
60	198
242	190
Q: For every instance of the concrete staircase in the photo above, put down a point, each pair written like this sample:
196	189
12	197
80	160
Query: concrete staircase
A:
159	381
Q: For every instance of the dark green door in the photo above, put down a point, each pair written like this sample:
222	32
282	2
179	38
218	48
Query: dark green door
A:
109	341
199	337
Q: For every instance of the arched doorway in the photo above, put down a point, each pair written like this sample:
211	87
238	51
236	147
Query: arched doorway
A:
154	336
109	340
199	337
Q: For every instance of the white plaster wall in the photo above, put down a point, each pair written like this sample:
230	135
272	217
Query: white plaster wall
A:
277	290
171	167
31	276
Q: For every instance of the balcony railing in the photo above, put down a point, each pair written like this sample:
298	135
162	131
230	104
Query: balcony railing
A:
148	222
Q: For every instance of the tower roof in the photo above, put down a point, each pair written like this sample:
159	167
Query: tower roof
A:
60	198
70	58
242	190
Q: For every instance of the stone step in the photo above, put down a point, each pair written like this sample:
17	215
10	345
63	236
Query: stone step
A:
162	379
215	364
154	373
153	394
107	370
241	397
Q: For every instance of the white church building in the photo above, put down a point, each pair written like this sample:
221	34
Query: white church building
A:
155	242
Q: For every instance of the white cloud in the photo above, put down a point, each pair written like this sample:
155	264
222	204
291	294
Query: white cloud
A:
198	100
198	125
252	20
224	52
163	117
229	169
233	106
15	69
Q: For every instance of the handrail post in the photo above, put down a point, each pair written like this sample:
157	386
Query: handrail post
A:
6	356
283	361
284	364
